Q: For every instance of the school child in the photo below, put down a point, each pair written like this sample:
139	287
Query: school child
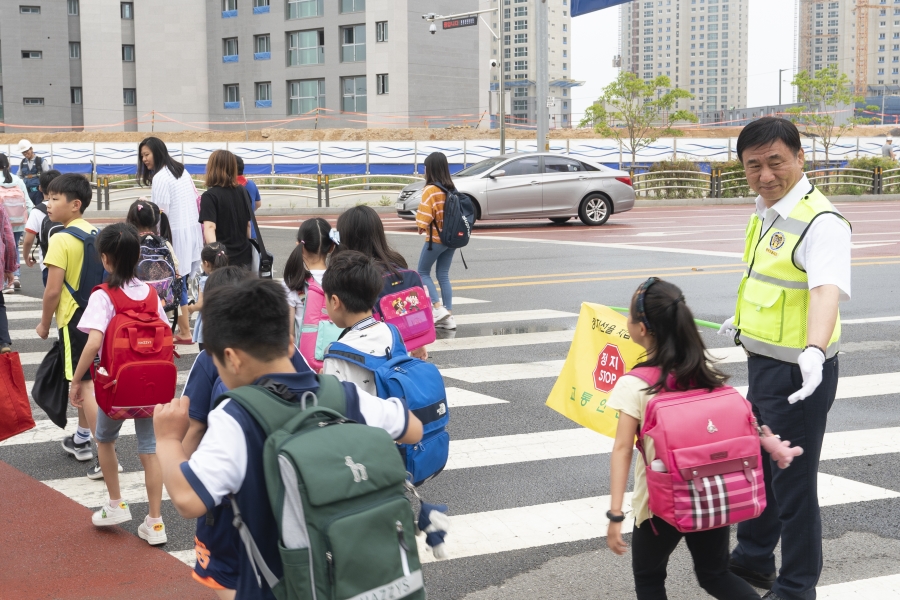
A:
68	196
246	336
120	248
146	217
213	256
663	325
36	225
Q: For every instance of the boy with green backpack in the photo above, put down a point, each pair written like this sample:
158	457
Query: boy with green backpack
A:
318	495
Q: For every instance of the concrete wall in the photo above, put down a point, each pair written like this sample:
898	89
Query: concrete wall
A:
170	62
101	59
46	78
390	57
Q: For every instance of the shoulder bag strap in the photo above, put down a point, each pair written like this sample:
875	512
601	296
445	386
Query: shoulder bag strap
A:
267	409
259	237
257	562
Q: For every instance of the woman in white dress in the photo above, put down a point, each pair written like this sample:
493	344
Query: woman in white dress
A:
174	192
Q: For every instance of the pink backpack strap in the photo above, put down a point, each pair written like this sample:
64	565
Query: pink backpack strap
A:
649	375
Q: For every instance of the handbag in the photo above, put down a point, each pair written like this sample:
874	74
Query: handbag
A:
15	409
266	259
51	388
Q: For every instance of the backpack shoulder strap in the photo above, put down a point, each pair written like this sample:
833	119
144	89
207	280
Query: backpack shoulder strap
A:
41	207
398	343
331	394
267	409
342	351
649	375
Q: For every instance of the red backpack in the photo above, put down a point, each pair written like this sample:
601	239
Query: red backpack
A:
137	367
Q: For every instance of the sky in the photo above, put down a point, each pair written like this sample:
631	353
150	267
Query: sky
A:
595	41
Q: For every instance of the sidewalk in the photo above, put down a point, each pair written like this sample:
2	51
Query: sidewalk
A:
50	549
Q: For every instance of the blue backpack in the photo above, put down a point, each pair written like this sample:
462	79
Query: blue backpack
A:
399	375
92	271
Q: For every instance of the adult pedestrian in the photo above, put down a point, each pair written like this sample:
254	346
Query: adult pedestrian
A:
30	171
9	256
430	221
17	185
887	151
173	191
797	252
224	210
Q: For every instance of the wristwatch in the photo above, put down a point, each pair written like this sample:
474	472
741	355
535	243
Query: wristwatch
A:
615	518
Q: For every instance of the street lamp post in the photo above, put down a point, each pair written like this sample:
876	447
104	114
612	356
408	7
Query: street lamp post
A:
780	82
543	74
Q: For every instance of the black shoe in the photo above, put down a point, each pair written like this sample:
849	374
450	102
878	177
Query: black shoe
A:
763	581
770	595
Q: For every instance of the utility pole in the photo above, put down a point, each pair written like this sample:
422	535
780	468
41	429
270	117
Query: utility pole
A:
543	74
780	82
500	69
883	93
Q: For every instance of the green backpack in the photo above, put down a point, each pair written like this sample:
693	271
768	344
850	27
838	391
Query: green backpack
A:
337	490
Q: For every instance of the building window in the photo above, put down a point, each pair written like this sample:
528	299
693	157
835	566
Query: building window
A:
232	96
306	96
381	31
521	25
229	6
73	9
127	9
353	94
566	27
349	6
353	44
33	101
300	9
128	53
306	47
507	53
264	94
521	38
565	40
230	50
31	10
565	66
521	65
262	44
520	105
521	11
522	51
74	50
76	95
260	7
129	96
381	84
520	92
32	54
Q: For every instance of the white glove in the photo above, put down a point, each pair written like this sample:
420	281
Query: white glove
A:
810	362
728	329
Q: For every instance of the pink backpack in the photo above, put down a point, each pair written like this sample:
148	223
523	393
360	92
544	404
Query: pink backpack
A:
317	331
709	446
13	201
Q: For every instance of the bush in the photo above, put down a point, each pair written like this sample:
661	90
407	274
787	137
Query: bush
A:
734	180
674	179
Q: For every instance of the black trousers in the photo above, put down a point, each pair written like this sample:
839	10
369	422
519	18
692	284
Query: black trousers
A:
4	322
709	549
792	503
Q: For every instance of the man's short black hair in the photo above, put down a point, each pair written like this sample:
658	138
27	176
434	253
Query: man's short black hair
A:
240	163
354	279
252	316
766	130
74	187
47	177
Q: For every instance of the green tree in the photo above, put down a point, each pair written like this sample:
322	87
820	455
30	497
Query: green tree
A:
824	96
637	112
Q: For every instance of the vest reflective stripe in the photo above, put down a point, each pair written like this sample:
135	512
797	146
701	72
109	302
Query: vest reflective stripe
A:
773	299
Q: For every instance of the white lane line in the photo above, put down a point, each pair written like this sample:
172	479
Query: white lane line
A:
13	299
457	398
19	315
861	386
188	557
513	315
35	358
526	447
93	494
883	588
477	534
862	442
731	354
507	372
460	300
502	341
869	320
179	382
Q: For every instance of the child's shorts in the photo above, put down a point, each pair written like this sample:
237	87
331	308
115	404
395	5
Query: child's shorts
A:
108	432
73	341
216	546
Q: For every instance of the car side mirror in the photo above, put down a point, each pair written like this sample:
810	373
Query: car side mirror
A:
497	173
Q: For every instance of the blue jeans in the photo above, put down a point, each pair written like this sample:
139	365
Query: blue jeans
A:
443	256
18	236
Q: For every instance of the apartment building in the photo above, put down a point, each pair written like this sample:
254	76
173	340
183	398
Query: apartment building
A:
516	54
701	45
290	63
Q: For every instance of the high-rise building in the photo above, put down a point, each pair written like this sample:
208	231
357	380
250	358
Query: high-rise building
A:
156	65
516	54
701	45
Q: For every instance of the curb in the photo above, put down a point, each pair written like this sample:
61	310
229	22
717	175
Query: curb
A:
646	203
261	212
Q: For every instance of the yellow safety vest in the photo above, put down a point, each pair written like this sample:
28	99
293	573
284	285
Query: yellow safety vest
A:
773	299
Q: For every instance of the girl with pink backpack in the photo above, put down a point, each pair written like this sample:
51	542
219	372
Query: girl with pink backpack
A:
700	466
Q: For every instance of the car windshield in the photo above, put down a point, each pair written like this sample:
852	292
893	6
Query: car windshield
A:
481	167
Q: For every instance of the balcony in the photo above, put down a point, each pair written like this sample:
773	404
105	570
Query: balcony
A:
263	103
260	10
230	58
232	105
228	14
262	56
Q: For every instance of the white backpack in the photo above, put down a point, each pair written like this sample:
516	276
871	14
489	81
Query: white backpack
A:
13	200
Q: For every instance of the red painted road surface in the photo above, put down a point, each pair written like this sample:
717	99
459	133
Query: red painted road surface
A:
718	229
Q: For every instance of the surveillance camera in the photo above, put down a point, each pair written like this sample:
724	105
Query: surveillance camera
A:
432	29
494	63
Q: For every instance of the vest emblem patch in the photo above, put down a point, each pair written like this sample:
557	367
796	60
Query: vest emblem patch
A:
776	241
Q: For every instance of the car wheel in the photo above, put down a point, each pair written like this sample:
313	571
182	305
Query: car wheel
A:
559	220
594	210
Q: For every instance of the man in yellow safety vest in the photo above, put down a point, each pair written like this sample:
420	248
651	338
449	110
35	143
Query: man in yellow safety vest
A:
797	251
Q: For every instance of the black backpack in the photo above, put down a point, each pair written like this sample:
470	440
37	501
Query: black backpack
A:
48	228
459	218
92	271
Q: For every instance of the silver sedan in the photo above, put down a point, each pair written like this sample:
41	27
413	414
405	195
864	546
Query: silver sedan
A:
536	185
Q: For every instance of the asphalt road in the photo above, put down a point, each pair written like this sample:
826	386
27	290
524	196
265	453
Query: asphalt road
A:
507	509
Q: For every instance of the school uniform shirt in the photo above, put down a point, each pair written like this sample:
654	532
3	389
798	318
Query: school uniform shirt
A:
631	397
375	340
33	226
229	460
100	310
67	253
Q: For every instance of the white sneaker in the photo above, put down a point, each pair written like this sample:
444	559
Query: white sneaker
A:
446	323
440	313
154	534
112	515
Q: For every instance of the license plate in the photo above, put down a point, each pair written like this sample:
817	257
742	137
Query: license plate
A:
401	205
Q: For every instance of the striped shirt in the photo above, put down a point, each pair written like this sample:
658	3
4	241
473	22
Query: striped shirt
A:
431	208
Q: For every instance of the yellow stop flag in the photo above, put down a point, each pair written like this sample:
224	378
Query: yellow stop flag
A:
601	353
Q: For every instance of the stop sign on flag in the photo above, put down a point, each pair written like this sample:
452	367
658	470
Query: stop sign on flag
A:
610	367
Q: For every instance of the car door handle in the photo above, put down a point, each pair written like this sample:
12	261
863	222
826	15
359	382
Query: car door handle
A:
535	182
582	177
